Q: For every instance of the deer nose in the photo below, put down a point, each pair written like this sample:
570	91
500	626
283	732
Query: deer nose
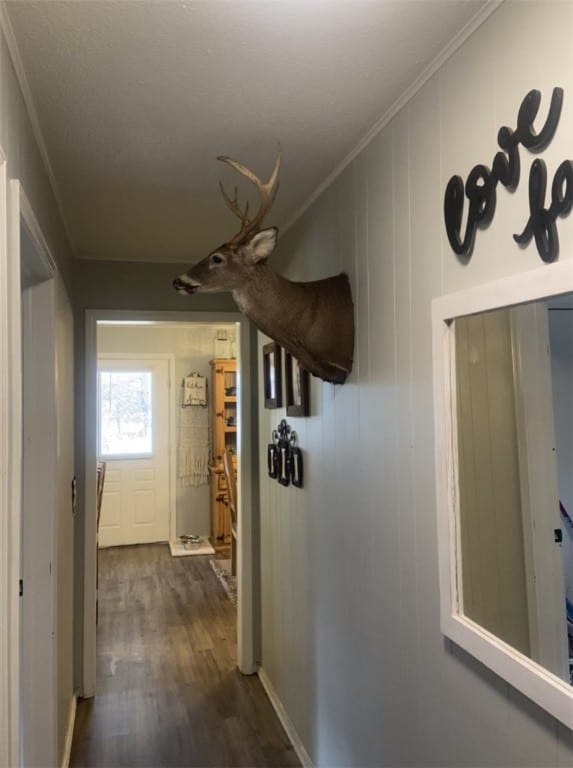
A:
183	284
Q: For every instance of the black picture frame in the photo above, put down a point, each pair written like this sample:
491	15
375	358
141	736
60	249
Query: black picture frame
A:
272	375
297	387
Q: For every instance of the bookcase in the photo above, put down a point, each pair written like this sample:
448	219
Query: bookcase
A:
224	437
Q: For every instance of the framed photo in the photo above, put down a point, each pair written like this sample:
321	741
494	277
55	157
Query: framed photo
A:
272	373
297	387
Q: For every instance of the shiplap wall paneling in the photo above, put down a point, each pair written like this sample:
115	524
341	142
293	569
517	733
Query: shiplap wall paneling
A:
378	444
426	282
380	685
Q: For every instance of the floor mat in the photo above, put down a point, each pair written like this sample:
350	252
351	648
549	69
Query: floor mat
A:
182	549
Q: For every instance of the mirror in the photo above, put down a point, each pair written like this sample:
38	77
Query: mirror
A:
503	396
514	396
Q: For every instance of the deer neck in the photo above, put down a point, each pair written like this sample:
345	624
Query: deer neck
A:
268	300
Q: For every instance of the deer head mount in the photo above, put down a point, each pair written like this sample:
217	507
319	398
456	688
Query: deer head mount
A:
313	321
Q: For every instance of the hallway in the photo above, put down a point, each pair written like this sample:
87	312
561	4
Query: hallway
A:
168	690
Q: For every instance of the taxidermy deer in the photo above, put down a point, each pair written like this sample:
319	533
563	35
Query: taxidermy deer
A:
313	321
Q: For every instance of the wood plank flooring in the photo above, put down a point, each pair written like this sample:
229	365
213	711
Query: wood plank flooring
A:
169	693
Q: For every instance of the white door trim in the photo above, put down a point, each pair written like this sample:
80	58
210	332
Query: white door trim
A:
247	547
15	214
6	725
171	425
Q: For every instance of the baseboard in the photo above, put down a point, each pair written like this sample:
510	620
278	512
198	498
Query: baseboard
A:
286	722
69	733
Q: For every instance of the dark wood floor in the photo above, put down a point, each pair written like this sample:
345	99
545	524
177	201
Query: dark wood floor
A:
169	693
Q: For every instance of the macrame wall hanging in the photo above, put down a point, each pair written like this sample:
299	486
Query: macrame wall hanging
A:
194	432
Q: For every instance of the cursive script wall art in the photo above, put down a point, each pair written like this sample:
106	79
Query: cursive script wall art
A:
481	184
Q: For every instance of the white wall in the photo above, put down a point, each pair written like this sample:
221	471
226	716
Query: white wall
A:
25	163
193	347
561	343
350	602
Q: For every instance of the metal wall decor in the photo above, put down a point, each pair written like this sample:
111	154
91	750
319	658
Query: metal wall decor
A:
272	375
284	458
480	186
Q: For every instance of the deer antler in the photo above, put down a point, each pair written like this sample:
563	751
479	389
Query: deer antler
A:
234	205
267	191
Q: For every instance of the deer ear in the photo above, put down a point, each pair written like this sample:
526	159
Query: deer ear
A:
262	245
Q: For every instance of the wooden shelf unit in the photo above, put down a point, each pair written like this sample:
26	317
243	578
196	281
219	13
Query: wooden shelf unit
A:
224	436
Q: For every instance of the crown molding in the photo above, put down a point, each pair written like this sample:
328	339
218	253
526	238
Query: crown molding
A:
20	71
456	42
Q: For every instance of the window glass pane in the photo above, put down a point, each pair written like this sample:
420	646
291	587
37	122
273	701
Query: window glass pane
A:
125	413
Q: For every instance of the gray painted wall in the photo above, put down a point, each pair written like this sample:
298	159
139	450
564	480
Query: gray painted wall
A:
350	597
25	163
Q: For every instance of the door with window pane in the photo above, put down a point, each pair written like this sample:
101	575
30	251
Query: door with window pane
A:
133	439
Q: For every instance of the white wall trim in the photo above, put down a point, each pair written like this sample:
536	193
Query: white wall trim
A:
32	225
472	26
22	78
246	548
15	213
69	733
286	722
5	447
38	423
14	485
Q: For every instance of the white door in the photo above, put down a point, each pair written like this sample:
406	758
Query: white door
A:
134	441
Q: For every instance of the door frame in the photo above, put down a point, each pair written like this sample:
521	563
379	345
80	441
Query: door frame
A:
247	575
16	214
171	421
9	730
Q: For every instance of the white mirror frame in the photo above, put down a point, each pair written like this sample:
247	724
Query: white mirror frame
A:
535	682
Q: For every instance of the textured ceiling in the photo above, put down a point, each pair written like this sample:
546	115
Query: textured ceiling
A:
136	99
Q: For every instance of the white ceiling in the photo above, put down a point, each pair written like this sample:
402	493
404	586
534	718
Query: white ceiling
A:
136	99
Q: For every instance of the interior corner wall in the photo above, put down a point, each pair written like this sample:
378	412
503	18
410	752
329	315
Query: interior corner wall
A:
351	639
25	163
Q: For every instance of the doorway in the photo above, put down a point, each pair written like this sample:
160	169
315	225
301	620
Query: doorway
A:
245	447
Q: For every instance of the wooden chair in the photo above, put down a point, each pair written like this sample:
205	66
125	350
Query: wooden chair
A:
233	506
100	482
99	488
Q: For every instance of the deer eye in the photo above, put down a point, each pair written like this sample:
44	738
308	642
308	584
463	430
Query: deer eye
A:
216	259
